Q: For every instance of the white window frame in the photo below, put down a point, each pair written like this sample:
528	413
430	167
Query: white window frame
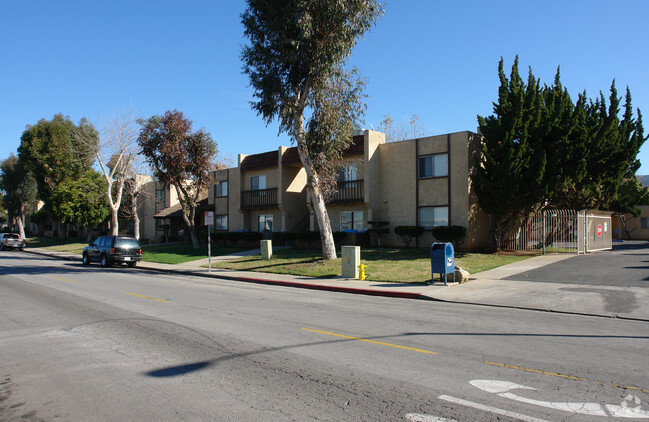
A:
437	164
355	218
262	222
439	217
348	173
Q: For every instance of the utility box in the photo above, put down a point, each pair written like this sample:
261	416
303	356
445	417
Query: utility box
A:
350	261
442	260
266	249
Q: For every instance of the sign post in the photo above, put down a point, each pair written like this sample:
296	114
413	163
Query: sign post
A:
209	222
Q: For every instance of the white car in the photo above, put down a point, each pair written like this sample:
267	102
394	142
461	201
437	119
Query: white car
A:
11	241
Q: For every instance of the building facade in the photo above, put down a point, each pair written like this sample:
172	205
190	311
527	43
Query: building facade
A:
424	181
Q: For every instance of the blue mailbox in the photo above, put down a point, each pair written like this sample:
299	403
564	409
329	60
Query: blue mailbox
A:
442	260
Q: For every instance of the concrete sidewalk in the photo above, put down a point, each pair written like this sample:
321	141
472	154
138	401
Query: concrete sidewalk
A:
489	288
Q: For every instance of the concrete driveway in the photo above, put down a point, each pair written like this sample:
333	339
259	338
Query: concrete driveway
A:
627	265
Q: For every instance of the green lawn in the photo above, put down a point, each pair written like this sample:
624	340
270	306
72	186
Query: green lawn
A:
161	253
389	265
63	245
179	253
383	264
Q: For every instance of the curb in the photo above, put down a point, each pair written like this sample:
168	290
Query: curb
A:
350	290
309	286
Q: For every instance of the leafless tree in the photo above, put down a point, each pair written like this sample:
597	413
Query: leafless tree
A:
396	131
115	152
136	194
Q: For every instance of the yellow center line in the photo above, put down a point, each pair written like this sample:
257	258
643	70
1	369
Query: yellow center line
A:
147	297
570	377
371	341
64	279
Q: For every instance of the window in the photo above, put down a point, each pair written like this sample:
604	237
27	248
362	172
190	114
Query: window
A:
433	166
430	217
221	189
158	223
160	195
348	173
644	222
258	183
221	222
265	223
351	220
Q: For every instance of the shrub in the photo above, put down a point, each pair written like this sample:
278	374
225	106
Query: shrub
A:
227	236
307	236
453	234
338	236
378	228
407	233
252	236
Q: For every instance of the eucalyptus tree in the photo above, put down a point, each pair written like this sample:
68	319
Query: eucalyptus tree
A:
295	60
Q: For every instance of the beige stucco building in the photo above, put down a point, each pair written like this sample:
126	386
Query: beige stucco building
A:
634	228
422	181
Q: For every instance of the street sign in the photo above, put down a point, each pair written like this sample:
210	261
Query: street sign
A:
209	218
209	221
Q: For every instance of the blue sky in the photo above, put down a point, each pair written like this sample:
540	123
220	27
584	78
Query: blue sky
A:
436	59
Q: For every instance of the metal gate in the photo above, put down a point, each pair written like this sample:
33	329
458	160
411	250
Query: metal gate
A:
566	231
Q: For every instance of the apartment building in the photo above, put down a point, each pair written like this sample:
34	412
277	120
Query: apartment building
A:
265	192
422	181
157	204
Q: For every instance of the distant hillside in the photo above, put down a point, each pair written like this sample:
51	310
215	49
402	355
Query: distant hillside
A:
643	179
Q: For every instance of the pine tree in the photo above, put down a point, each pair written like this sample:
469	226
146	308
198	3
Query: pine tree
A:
509	170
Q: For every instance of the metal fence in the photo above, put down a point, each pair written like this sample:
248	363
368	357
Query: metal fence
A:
567	231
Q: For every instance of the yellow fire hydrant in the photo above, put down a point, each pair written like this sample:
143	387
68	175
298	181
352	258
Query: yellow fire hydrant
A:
361	272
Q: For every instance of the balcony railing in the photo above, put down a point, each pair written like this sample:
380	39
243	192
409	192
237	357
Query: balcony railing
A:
262	198
348	192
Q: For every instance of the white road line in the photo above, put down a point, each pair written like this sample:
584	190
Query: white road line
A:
491	409
416	417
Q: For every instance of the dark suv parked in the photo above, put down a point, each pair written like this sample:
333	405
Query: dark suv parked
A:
111	249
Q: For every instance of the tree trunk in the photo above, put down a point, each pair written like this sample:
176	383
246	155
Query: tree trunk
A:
21	221
189	215
21	228
136	219
317	200
114	223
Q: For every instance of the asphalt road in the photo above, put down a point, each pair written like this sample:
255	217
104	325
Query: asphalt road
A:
87	343
627	265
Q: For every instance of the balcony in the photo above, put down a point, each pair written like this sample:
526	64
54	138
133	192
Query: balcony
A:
348	192
262	198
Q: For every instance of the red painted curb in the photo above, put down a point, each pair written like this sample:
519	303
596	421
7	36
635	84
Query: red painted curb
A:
386	293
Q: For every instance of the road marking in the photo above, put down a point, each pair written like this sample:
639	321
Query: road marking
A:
371	341
502	388
147	297
64	279
570	377
416	417
624	410
491	409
